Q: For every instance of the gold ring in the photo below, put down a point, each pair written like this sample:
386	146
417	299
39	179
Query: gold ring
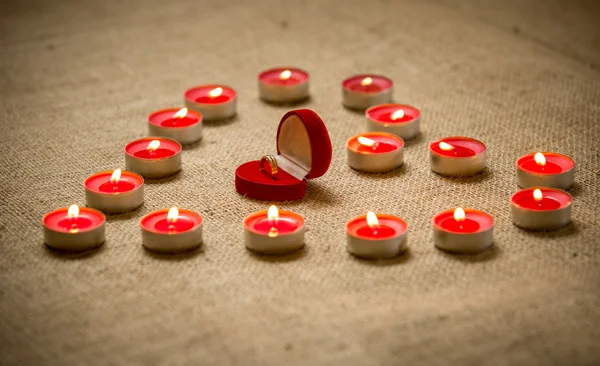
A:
272	162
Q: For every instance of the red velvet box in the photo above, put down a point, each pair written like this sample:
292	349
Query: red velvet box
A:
303	152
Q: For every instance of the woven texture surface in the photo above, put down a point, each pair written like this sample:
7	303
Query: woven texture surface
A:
78	79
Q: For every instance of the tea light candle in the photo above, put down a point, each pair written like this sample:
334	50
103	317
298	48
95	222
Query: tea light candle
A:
283	85
457	156
114	191
463	230
376	236
74	228
375	152
213	102
363	91
181	125
171	230
545	169
153	157
541	208
399	119
274	232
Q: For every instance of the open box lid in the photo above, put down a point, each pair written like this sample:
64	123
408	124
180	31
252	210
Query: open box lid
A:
303	144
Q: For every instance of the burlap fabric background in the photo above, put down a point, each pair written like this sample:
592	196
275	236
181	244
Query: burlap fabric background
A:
80	77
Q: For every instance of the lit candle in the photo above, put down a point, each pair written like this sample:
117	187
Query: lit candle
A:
363	91
457	156
375	152
463	230
114	191
376	236
283	85
153	157
73	228
274	232
545	169
398	119
171	230
541	208
181	125
213	102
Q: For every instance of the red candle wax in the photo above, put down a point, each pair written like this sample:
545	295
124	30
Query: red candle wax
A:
474	221
461	147
154	154
206	94
464	226
288	222
389	226
361	83
100	182
379	232
278	76
555	163
552	199
178	225
59	220
122	185
74	223
139	148
158	222
385	112
283	225
378	148
384	143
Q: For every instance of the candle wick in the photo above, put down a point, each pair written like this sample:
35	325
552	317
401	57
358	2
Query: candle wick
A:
273	232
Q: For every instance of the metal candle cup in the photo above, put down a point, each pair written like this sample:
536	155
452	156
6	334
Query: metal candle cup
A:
541	208
110	195
214	102
181	125
283	85
375	152
153	157
457	156
385	239
74	228
274	234
171	230
362	91
546	169
471	233
398	119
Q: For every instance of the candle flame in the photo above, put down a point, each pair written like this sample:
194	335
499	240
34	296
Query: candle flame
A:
116	175
173	214
367	81
181	113
285	75
540	159
73	211
215	92
366	141
398	114
459	214
273	216
445	146
537	195
372	220
153	145
273	213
